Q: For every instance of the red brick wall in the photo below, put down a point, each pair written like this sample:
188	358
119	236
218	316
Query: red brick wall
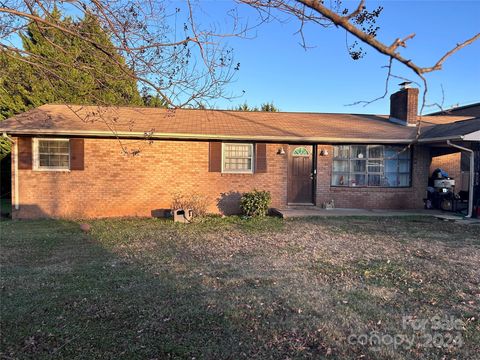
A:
115	185
374	198
451	164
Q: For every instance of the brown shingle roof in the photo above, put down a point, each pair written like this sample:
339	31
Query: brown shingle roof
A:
451	130
209	124
446	119
466	110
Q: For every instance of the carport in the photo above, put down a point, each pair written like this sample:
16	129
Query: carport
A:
460	136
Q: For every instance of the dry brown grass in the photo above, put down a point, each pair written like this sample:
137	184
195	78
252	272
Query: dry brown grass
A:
233	288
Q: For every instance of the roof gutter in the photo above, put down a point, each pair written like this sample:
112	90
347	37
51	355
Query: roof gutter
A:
472	174
443	138
177	136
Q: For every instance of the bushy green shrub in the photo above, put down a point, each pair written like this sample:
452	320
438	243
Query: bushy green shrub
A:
255	203
196	202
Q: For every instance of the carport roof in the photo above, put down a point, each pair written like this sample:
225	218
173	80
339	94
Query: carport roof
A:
468	130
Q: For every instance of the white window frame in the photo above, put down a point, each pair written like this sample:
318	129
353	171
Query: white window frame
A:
36	155
238	171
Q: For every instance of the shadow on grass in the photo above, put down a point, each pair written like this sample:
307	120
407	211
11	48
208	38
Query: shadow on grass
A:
67	294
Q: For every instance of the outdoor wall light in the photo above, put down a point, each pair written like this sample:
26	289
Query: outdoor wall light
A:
281	151
323	152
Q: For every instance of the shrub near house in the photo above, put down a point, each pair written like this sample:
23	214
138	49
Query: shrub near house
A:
198	203
255	203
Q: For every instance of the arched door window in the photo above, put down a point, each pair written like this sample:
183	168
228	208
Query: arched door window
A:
300	151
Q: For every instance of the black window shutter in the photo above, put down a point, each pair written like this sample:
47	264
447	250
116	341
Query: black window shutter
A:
215	157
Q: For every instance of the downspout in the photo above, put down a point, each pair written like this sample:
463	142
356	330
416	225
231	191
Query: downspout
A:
15	169
472	175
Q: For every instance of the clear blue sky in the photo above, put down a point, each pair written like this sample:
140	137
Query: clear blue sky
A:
323	79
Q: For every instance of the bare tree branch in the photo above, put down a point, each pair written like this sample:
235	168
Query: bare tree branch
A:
139	29
357	11
320	12
343	22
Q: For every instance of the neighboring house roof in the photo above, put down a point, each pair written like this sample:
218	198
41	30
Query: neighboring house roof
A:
446	119
134	122
466	110
466	130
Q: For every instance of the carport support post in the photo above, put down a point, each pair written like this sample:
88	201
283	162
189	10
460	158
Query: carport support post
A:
472	175
476	187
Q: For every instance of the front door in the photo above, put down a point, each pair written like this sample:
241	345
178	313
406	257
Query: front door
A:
300	174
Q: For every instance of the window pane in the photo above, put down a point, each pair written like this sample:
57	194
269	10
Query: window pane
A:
391	179
391	166
341	151
43	146
64	160
340	180
404	154
44	160
59	160
53	147
375	151
238	164
340	165
404	180
359	151
64	147
237	150
384	181
404	166
54	160
391	152
358	165
375	166
357	180
374	180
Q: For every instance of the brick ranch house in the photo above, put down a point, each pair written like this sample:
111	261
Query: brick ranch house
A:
68	161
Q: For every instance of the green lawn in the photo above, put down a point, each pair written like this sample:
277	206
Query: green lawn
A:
238	289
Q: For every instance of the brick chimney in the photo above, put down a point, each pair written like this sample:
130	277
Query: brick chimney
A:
404	105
